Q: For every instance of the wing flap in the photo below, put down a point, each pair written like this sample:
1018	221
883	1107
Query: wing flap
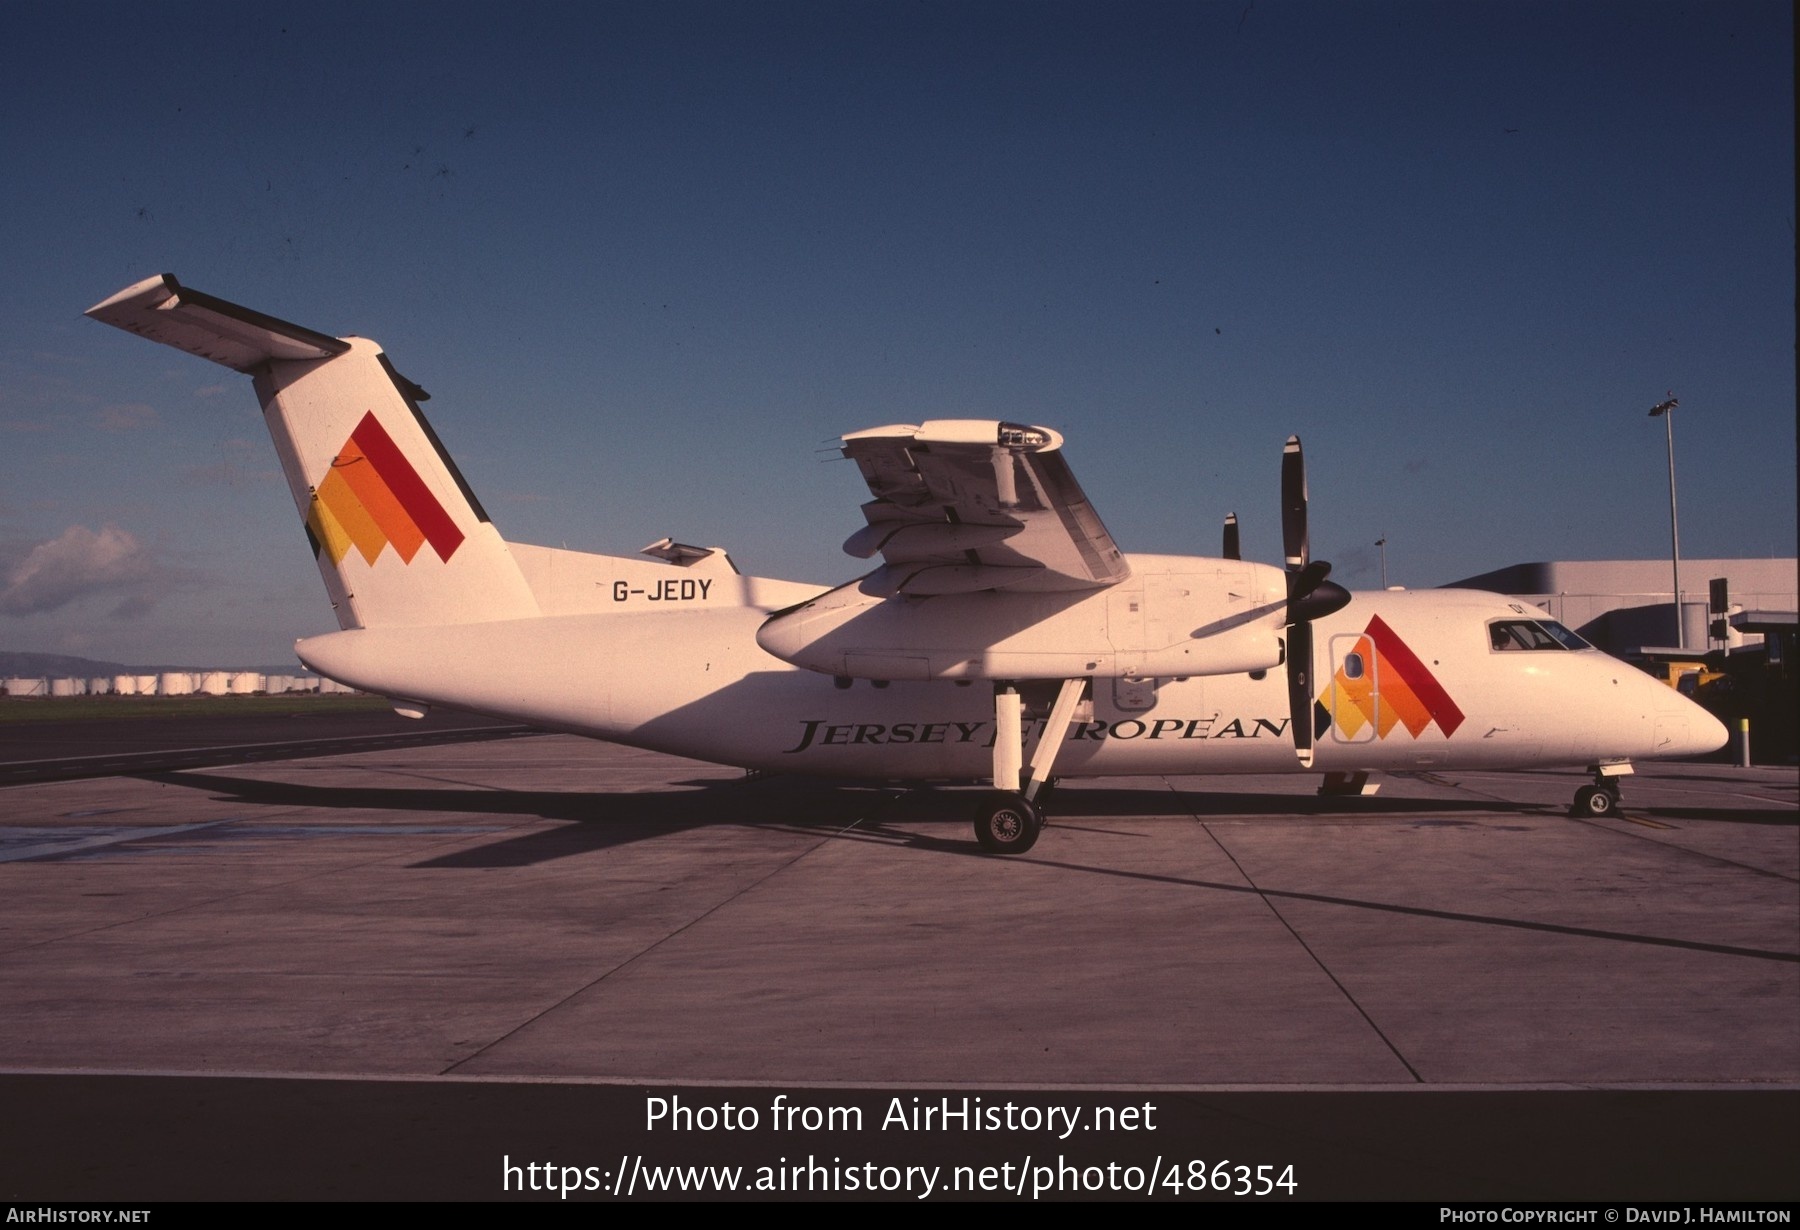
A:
915	541
932	579
994	499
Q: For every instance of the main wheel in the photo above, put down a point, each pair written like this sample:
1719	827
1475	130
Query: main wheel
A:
1595	801
1007	824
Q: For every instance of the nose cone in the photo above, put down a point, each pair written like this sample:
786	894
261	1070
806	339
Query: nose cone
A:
1683	728
1705	733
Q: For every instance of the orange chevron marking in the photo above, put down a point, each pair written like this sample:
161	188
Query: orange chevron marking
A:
1395	688
372	498
336	494
379	501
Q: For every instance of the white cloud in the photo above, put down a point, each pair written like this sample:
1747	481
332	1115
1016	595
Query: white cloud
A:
79	562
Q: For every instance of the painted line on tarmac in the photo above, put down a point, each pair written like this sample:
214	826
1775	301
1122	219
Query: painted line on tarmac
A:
117	764
229	748
46	843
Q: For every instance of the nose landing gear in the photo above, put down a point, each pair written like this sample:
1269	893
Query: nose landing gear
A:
1595	801
1601	798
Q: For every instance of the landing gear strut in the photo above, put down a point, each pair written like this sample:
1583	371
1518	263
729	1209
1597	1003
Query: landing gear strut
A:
1009	820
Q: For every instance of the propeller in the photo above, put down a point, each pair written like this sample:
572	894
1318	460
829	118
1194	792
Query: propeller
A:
1309	596
1231	550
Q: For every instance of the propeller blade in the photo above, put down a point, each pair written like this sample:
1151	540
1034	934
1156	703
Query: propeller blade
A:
1300	691
1293	506
1310	597
1231	537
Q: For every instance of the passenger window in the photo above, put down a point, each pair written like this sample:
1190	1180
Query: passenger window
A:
1353	666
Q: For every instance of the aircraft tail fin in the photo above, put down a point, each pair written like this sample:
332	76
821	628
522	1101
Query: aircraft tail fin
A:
398	536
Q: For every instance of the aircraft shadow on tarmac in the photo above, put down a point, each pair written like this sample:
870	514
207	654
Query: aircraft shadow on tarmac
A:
598	820
1736	779
874	812
592	820
1737	815
867	811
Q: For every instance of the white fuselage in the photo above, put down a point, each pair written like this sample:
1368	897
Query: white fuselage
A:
676	667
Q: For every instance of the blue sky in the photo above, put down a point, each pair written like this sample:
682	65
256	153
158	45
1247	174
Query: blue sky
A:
650	258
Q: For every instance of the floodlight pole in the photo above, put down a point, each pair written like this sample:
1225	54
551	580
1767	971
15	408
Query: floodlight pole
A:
1666	412
1382	543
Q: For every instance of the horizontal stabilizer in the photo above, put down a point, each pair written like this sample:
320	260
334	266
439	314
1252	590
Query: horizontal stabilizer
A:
163	310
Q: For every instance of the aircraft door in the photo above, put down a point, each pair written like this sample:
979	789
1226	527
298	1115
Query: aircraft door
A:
1134	695
1353	696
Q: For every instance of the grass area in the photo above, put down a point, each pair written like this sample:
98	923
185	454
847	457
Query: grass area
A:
98	708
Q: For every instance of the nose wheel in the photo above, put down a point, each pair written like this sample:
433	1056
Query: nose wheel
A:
1601	798
1596	801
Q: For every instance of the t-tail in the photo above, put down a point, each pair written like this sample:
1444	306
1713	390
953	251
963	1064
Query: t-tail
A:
399	537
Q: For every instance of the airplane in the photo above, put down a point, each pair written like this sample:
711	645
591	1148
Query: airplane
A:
1003	638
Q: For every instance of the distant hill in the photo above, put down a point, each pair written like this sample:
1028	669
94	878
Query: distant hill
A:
32	665
60	666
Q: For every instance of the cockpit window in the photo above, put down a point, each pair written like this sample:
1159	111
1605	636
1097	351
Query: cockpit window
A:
1505	635
1569	639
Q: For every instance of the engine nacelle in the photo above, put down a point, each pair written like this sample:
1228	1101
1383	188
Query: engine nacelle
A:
1172	616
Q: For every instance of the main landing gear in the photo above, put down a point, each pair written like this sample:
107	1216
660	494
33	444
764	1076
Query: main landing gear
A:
1007	823
1009	820
1601	798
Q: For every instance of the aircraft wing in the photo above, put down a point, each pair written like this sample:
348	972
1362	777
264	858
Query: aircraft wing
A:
964	505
